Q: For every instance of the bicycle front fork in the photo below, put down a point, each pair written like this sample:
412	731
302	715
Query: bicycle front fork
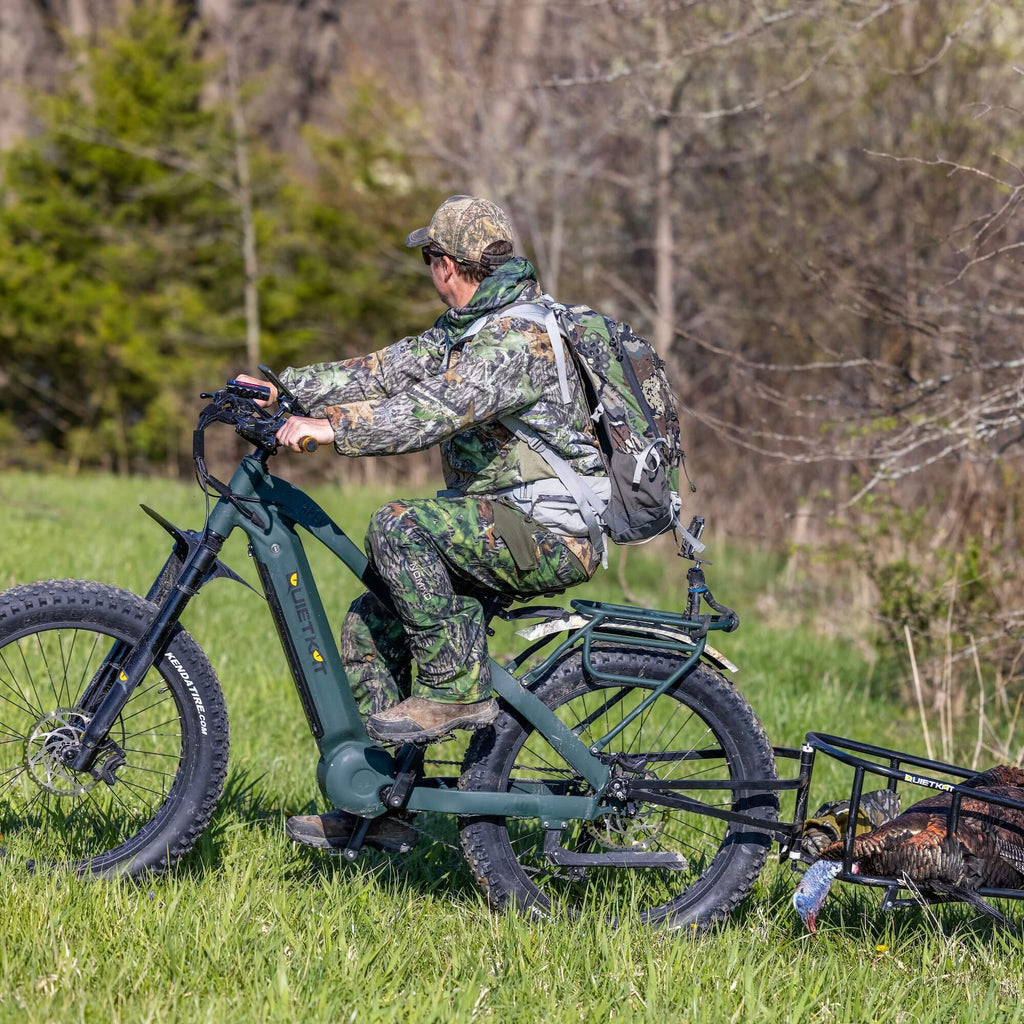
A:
126	665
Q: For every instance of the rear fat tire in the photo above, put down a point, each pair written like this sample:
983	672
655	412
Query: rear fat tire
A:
174	731
724	860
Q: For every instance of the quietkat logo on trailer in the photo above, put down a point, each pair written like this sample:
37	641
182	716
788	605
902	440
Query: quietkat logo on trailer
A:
306	624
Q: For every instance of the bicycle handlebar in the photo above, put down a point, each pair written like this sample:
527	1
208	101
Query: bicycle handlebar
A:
239	404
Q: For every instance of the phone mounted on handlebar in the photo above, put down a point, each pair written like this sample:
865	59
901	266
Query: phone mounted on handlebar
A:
285	399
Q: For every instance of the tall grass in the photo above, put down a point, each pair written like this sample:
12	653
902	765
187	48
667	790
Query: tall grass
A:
253	928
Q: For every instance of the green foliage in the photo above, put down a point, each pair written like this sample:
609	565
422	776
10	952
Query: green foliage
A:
112	258
121	272
951	591
919	581
904	599
338	280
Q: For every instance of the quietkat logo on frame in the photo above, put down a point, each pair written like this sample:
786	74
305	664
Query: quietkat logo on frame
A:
306	624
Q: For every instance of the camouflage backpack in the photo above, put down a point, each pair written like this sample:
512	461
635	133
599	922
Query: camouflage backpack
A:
634	414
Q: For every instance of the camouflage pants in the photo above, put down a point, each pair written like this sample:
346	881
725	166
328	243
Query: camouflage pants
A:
438	557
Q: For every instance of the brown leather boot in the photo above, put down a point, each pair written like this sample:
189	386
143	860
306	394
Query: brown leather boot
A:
416	720
333	830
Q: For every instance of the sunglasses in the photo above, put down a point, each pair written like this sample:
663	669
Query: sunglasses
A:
429	254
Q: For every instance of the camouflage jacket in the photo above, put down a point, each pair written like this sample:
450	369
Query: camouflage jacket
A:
435	389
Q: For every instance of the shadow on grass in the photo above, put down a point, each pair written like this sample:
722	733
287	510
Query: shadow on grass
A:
242	805
435	866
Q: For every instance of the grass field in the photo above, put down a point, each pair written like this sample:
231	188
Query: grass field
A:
252	928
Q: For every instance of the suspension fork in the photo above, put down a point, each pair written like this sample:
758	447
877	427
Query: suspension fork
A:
116	680
99	684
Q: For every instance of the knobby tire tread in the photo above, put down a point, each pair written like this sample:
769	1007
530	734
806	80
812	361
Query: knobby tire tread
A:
86	604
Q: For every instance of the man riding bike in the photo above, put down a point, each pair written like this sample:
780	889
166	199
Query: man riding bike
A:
439	556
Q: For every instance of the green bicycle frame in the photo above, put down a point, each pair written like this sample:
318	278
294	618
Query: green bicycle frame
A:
352	770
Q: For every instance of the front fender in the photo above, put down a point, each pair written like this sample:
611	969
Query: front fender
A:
185	542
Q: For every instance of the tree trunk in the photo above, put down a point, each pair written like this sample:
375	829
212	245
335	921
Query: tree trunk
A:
664	265
243	197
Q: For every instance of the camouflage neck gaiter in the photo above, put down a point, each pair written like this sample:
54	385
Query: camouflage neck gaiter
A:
513	281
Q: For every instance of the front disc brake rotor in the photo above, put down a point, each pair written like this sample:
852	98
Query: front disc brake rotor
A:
56	732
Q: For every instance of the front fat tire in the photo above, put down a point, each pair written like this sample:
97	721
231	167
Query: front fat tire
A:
174	733
701	712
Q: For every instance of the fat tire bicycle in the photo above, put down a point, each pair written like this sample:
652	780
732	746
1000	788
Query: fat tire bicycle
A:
624	770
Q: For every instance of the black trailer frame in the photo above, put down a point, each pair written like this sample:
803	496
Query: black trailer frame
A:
864	759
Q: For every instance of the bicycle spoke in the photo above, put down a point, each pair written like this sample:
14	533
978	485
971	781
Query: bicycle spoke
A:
85	668
57	824
27	708
591	717
30	675
150	771
61	640
49	673
65	661
148	753
116	796
668	741
10	732
142	711
138	787
150	732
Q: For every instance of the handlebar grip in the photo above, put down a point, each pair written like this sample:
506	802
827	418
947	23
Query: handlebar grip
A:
308	444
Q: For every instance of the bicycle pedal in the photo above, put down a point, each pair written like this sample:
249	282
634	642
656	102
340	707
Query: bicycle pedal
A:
420	745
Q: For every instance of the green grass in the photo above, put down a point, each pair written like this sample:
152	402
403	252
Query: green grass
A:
252	928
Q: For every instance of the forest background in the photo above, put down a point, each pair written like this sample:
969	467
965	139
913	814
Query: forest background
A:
813	207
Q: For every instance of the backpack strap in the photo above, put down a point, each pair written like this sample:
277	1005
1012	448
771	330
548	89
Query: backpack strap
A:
649	454
591	506
540	312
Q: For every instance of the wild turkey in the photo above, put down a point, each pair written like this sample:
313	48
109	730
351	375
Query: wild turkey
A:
987	849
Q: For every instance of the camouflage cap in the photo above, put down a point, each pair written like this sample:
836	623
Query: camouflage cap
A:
464	226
